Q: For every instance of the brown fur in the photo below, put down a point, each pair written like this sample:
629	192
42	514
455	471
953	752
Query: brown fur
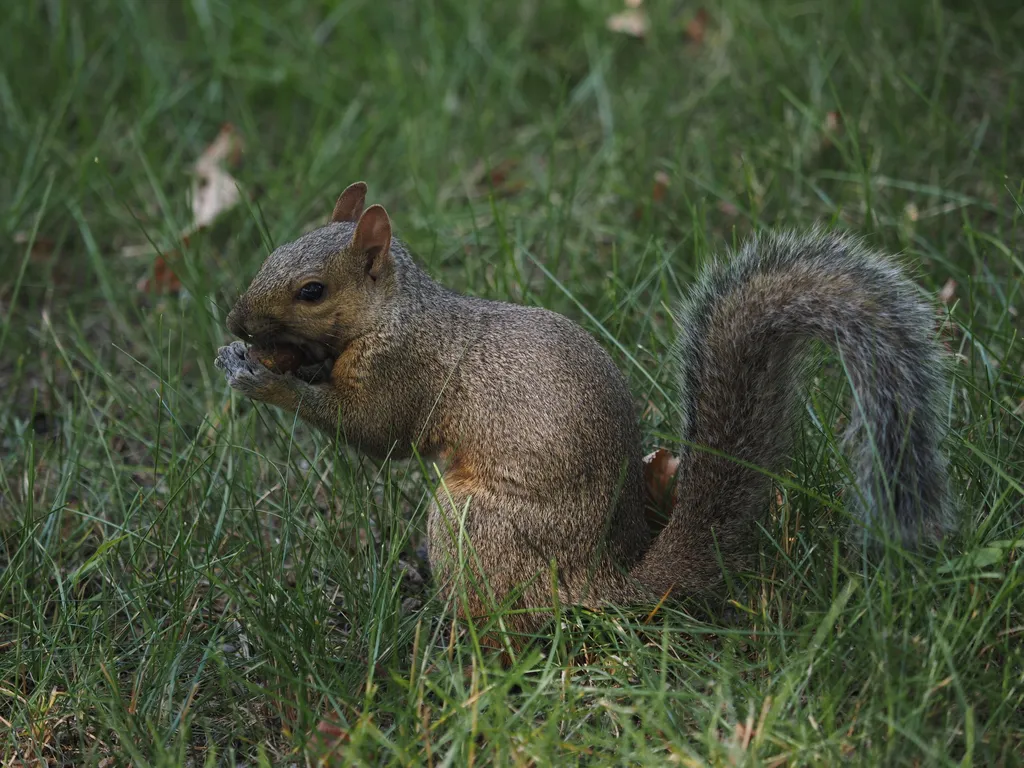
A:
537	426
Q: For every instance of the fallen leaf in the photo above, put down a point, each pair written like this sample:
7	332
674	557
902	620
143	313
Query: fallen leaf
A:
227	146
743	733
831	127
163	279
948	292
214	190
498	175
41	246
495	179
500	181
328	738
331	730
632	21
727	208
661	184
697	26
949	332
211	196
659	188
660	470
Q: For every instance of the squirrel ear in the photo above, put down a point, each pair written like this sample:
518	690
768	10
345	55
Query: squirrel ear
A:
350	203
372	239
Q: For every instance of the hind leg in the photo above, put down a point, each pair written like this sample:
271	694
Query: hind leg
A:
489	571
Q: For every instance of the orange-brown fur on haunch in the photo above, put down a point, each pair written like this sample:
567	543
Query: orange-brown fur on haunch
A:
543	494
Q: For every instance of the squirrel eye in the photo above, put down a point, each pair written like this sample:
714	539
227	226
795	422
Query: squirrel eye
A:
311	292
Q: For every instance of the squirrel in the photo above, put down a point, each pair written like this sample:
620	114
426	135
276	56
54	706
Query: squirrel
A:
535	429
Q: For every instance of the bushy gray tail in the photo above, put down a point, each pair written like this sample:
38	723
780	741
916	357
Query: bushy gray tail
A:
743	340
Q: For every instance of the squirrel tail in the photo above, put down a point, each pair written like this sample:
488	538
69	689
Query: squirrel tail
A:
744	338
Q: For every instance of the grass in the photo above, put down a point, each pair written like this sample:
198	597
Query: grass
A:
187	579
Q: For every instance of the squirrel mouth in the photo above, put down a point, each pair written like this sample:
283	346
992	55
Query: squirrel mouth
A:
303	358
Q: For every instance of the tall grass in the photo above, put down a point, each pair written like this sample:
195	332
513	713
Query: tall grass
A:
189	579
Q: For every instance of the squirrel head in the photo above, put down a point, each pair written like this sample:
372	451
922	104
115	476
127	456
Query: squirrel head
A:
328	287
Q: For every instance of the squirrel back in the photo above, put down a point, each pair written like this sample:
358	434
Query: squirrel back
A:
534	427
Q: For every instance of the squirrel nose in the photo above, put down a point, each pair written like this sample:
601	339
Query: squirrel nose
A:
236	324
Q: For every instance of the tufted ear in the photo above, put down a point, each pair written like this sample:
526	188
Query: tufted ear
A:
372	240
350	203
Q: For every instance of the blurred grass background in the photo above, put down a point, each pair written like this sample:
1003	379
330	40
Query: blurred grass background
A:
187	579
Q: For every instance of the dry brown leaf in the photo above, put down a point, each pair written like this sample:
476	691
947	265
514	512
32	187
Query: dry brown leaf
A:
500	181
329	738
660	474
832	127
498	175
497	179
743	733
632	21
659	188
41	246
947	295
728	209
949	332
214	190
163	279
331	730
661	185
211	196
697	26
226	147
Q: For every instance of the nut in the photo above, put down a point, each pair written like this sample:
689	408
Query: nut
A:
279	358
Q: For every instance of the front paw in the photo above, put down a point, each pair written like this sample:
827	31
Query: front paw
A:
251	377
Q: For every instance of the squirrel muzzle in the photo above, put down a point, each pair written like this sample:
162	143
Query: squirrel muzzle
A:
236	324
248	325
